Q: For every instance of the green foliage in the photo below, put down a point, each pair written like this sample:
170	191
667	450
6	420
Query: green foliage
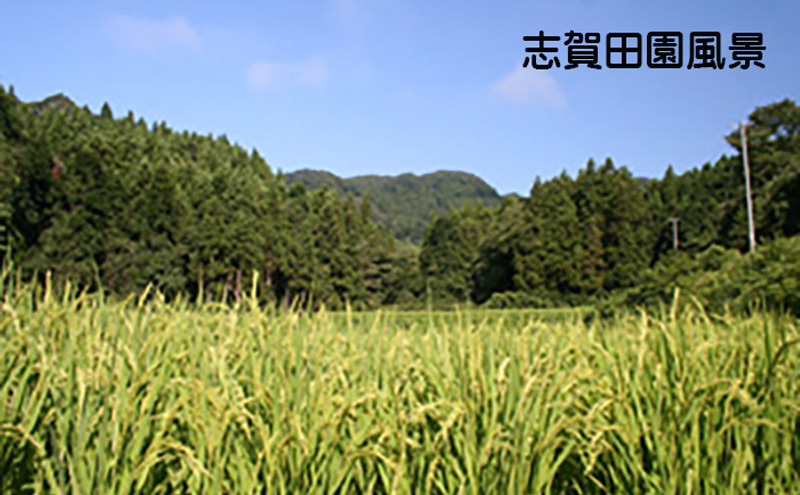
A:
612	207
450	250
608	236
495	269
520	299
710	202
724	280
770	277
545	246
140	397
571	239
405	203
111	204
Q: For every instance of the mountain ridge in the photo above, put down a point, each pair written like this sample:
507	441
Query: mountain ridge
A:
404	203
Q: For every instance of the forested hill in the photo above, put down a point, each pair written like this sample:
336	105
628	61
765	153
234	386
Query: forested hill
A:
404	203
111	203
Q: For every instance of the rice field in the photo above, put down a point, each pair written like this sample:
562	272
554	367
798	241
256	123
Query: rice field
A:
136	397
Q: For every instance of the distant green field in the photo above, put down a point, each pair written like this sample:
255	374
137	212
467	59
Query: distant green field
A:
465	316
153	398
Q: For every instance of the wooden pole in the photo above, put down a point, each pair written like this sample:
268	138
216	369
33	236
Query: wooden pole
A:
751	229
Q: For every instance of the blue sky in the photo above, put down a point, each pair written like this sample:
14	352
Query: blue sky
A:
386	87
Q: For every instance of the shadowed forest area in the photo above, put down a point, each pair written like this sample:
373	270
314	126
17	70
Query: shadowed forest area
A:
111	203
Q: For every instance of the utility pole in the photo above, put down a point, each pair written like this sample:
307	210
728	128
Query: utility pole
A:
751	229
674	221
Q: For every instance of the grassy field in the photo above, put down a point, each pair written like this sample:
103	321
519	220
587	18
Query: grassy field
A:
151	398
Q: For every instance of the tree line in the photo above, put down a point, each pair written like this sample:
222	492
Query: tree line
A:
117	205
608	236
404	203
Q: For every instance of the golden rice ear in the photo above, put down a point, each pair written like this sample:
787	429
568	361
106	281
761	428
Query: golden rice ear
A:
144	396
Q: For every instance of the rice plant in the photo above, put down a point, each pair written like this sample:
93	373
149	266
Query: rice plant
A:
140	396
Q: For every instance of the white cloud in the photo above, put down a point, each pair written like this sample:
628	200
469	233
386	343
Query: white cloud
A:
156	36
530	86
271	75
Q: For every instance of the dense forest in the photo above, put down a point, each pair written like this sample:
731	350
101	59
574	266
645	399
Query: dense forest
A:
405	203
114	204
117	205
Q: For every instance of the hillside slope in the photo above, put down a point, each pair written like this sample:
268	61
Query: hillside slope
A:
404	203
